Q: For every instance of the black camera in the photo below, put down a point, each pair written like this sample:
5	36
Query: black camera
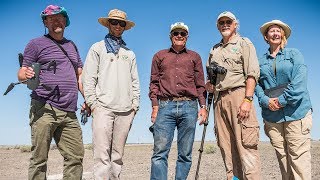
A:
212	70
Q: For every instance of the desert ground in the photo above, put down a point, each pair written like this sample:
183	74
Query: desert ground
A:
14	163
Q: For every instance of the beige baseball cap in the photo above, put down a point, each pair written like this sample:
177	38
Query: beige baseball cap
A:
179	25
226	14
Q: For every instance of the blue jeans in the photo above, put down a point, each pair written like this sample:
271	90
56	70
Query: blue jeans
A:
172	114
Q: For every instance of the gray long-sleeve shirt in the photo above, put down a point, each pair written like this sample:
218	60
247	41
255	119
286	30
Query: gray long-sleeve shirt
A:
111	80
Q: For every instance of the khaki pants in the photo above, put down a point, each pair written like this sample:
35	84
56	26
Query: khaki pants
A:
110	131
291	141
46	123
237	141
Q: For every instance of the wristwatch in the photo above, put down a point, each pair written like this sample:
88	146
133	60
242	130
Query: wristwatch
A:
203	107
249	98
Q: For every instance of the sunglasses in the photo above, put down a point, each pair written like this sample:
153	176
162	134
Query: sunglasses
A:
176	33
115	22
221	23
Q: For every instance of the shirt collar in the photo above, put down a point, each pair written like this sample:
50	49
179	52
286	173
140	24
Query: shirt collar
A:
233	40
268	55
184	50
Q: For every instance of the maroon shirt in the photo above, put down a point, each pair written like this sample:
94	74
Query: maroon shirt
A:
177	74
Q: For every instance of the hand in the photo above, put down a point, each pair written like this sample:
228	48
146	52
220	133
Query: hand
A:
154	113
244	110
85	107
276	100
202	116
274	104
210	87
29	73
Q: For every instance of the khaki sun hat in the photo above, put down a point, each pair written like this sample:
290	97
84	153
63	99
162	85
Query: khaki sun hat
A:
227	14
116	14
283	25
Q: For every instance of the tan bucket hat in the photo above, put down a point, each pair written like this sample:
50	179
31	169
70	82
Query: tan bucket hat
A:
116	14
284	26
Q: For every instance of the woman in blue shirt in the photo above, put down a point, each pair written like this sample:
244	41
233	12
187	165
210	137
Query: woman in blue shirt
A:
285	102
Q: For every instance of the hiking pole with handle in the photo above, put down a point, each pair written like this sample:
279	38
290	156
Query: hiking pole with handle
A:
210	97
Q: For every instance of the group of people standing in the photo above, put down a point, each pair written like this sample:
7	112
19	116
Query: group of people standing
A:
109	83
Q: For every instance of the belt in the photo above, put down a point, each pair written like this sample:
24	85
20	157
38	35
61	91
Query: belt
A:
184	98
228	91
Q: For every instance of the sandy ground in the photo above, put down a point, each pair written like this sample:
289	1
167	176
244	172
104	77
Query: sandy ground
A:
14	164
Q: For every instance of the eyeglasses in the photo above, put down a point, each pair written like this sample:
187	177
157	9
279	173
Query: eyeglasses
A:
221	23
116	22
182	33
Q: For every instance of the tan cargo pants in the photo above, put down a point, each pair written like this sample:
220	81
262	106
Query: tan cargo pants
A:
109	133
46	123
292	143
237	141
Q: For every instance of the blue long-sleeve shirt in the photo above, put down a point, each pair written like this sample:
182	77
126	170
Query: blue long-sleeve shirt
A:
289	68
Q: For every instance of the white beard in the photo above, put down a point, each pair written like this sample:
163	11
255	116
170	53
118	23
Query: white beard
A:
226	33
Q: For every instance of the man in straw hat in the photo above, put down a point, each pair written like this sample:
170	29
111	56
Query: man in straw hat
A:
287	115
52	111
112	91
176	88
236	125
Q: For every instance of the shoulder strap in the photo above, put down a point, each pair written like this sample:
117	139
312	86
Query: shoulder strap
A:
63	50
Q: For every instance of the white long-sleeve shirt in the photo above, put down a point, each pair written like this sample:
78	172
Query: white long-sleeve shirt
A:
111	80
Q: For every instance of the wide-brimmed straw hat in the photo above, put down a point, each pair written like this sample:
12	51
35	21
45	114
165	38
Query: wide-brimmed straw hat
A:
283	25
116	14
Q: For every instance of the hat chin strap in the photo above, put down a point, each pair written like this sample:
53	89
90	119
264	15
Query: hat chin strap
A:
45	29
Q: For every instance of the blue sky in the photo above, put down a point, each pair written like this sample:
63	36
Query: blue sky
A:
20	22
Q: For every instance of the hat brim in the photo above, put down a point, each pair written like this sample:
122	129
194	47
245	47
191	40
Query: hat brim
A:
104	21
284	26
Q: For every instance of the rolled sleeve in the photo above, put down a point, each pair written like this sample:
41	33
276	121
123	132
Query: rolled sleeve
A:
250	60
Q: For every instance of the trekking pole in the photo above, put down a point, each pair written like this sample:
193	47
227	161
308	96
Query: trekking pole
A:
210	97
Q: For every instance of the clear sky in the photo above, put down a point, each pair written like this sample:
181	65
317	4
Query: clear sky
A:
20	22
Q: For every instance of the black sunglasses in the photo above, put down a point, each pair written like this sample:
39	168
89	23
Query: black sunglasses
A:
116	22
225	22
182	33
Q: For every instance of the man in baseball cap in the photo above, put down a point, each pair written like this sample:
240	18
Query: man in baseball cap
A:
176	90
236	124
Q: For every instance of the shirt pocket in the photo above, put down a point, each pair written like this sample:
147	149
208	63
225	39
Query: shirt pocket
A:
234	62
